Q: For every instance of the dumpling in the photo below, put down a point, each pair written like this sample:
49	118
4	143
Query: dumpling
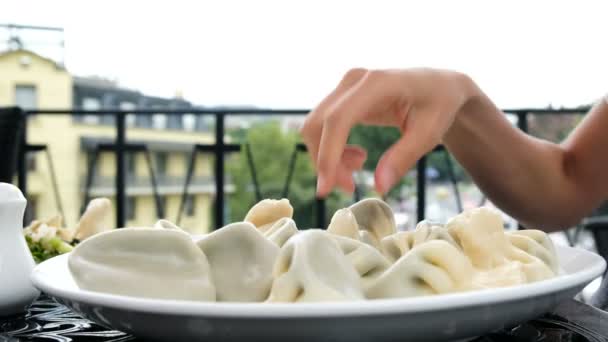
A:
92	220
481	235
533	268
376	217
343	223
166	224
281	231
266	212
536	243
143	262
396	245
241	261
433	267
367	260
311	267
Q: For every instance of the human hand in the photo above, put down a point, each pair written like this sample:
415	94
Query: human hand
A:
422	103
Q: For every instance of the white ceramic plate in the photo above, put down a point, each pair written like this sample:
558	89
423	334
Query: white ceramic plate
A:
431	318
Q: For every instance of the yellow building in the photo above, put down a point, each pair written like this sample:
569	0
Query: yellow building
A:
32	81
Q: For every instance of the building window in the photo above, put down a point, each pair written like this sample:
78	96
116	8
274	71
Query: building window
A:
143	120
189	122
161	163
190	205
130	208
26	97
130	119
159	121
130	164
175	121
203	122
91	103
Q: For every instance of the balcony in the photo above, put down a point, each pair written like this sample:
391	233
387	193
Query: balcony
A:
120	181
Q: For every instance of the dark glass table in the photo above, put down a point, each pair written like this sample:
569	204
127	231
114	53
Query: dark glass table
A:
47	320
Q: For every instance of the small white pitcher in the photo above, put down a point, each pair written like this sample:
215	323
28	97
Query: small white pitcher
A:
16	261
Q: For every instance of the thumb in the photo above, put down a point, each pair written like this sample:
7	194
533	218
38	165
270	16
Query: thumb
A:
396	161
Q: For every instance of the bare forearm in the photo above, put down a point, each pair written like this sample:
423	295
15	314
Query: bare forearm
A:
526	177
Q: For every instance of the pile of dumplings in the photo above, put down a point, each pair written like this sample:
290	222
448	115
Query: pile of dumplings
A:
359	256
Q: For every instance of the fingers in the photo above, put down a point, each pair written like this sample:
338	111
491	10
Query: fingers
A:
313	126
353	157
352	160
352	107
403	154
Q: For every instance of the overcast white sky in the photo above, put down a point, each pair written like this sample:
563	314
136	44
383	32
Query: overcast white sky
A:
290	54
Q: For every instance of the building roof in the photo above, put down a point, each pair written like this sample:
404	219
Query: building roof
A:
30	53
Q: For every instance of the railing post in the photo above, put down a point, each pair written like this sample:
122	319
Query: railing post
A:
22	155
321	212
421	188
522	121
219	170
120	169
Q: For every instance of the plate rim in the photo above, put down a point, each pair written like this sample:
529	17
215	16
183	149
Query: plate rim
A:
324	309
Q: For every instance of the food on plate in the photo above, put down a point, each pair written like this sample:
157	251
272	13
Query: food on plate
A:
344	223
93	220
433	267
360	256
367	260
375	219
396	245
49	238
143	262
498	262
281	231
241	261
311	267
166	224
266	212
536	243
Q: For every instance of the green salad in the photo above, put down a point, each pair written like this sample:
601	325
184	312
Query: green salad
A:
46	248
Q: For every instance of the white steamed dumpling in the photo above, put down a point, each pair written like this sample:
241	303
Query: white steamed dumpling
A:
241	261
536	243
367	260
396	245
281	231
143	262
375	218
166	224
343	223
311	267
266	212
93	219
481	235
433	267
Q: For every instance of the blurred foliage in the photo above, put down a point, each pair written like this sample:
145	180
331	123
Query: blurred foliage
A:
554	128
271	149
376	140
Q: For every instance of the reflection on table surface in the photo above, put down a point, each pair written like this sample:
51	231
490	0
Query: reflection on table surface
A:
49	321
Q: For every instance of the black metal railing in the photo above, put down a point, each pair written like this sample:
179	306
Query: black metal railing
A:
220	148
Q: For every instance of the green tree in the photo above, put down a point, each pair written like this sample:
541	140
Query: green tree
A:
376	140
271	150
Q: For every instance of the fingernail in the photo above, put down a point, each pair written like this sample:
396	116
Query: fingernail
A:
321	185
386	179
